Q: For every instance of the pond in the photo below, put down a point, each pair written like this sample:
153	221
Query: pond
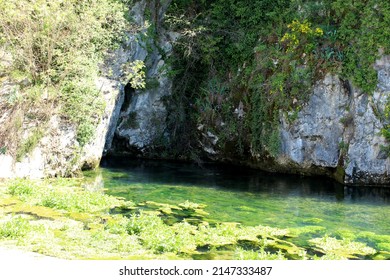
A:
252	197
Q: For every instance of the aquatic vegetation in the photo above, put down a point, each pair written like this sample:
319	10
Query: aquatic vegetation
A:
14	228
313	221
219	236
159	237
40	212
380	242
345	234
63	194
191	206
65	219
242	254
307	230
188	212
341	248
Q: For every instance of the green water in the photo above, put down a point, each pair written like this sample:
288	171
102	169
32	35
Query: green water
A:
252	197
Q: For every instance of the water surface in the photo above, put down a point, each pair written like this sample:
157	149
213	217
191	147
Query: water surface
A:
251	197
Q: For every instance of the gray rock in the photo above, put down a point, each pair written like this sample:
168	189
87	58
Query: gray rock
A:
341	127
143	119
366	162
112	91
313	139
58	153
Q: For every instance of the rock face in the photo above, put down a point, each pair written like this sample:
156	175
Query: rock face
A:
366	162
337	133
135	117
58	153
142	118
315	137
339	130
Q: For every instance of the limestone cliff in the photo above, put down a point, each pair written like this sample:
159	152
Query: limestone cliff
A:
339	129
132	119
58	152
141	122
336	133
46	144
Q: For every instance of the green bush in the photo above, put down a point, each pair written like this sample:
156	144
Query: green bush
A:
52	40
21	188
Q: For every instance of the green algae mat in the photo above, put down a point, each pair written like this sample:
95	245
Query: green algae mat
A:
178	211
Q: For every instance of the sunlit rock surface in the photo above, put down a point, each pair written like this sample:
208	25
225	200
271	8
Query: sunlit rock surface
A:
340	127
142	120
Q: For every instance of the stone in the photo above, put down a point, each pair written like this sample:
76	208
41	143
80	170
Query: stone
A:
314	137
58	153
142	120
340	127
112	92
366	162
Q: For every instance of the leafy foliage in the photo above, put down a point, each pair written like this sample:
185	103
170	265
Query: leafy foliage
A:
51	39
363	28
56	48
267	55
134	72
386	129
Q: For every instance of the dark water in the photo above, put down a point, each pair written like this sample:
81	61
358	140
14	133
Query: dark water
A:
252	197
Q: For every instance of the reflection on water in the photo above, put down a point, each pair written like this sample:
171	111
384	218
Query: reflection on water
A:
242	179
251	197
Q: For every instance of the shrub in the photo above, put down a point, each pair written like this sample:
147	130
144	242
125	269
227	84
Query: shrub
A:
51	40
134	73
64	195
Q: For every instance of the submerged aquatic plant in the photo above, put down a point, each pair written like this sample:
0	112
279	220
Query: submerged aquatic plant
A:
261	254
15	227
62	218
63	194
344	248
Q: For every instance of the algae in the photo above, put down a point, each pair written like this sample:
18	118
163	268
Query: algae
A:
82	223
343	248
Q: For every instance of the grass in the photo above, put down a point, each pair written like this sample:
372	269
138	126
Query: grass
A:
65	219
